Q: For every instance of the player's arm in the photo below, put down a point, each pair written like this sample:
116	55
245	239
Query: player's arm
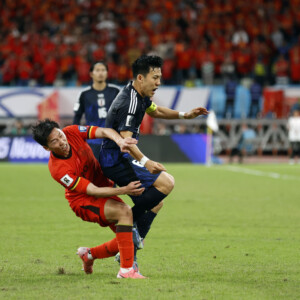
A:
153	166
125	143
78	110
162	112
133	189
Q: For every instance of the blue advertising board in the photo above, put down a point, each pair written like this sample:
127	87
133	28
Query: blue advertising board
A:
22	149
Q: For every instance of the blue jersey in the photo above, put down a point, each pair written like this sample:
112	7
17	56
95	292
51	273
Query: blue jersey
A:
125	114
230	88
255	91
94	105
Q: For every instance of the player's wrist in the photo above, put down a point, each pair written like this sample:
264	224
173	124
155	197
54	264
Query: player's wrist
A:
181	115
143	160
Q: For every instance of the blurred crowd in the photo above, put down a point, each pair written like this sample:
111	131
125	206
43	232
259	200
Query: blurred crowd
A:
202	41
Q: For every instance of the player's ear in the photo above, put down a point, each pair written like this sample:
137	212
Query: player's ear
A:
46	148
140	78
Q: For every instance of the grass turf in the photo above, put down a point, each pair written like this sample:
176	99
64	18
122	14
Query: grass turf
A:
222	234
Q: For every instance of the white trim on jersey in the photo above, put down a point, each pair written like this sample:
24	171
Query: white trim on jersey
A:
114	86
133	103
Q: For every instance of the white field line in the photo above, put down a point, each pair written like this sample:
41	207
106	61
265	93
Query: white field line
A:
261	173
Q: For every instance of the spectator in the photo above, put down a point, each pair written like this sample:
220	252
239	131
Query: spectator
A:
50	70
228	67
18	128
255	92
260	71
230	90
294	56
9	70
245	145
281	71
294	135
25	71
240	37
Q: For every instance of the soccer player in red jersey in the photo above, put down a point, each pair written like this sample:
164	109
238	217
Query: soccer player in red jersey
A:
90	194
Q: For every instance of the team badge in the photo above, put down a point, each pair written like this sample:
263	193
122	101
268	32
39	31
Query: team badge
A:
82	128
67	180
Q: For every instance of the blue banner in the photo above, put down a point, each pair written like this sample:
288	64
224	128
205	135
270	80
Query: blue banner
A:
22	149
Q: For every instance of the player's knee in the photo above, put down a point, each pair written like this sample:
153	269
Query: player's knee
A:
158	207
165	183
169	183
125	212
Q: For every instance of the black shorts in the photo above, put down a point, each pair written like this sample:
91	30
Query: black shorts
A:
128	170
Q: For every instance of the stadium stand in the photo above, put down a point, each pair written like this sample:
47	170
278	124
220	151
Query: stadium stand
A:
53	42
203	43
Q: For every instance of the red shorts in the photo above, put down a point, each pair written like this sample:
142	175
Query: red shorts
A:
91	209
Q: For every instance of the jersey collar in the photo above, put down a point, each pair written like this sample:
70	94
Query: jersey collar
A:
62	157
139	95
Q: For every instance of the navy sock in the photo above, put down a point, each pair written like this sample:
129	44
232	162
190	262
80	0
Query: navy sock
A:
144	223
149	199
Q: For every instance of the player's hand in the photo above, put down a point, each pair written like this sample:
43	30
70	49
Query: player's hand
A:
134	188
154	167
199	111
125	144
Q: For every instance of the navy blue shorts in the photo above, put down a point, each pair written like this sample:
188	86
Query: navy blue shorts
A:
128	170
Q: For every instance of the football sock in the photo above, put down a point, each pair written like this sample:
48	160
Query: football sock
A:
125	270
144	223
149	199
105	250
125	245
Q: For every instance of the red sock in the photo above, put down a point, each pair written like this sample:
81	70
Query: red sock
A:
125	243
107	249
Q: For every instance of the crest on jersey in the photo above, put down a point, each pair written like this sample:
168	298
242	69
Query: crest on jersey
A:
82	128
101	102
66	180
129	121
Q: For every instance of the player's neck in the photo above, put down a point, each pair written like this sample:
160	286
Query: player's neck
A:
136	86
99	86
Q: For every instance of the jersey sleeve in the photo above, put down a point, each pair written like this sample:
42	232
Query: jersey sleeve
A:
78	110
85	132
127	115
69	180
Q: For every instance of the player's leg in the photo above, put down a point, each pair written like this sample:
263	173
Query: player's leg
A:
129	170
111	212
124	239
164	184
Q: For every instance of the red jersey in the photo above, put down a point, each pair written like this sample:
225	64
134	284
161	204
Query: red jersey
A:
80	168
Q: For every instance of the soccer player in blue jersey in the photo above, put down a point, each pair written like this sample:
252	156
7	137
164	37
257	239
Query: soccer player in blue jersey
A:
95	102
125	116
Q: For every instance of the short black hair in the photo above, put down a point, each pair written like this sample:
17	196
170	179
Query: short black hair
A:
42	129
96	63
143	64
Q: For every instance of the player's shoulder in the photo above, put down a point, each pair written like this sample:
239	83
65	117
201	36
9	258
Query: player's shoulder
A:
86	90
74	129
113	87
123	94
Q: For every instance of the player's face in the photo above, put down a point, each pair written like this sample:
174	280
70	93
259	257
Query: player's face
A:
151	82
58	143
99	74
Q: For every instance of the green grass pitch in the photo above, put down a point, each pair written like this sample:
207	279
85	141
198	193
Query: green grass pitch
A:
225	232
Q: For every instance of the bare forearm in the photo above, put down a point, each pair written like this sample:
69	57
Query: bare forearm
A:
107	133
103	192
165	113
136	153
